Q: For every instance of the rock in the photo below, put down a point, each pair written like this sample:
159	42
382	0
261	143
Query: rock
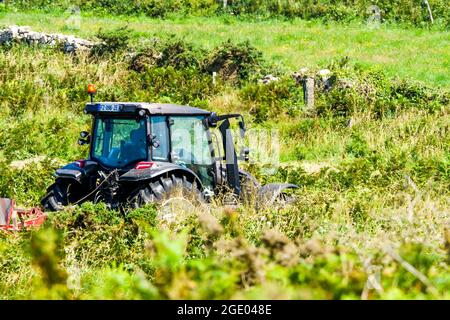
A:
345	83
301	75
24	29
303	70
68	48
268	79
14	30
324	73
325	79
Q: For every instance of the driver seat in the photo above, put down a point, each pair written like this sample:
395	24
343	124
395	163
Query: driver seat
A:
134	149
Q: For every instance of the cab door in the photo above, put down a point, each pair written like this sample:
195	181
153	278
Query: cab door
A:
191	147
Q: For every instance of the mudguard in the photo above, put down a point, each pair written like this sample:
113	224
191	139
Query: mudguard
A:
135	175
74	172
270	192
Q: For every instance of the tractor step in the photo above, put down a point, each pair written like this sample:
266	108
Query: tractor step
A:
14	219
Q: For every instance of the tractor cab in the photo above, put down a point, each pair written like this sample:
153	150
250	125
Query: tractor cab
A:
126	135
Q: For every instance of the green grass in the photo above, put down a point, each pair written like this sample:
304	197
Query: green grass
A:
416	53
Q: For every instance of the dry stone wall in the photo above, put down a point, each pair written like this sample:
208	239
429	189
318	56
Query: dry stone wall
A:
24	34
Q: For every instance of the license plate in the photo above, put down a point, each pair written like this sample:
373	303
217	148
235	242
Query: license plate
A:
109	108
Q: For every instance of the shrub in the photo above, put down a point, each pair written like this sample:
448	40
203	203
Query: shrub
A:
369	90
111	42
26	185
357	146
185	86
235	62
273	99
169	52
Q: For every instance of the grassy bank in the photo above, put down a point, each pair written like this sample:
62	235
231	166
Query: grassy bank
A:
416	53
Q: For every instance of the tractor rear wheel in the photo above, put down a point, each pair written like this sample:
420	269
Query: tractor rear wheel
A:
177	197
160	190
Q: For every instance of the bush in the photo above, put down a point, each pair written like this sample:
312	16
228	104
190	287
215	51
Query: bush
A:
273	99
357	146
169	52
183	86
369	90
111	42
235	62
112	258
26	186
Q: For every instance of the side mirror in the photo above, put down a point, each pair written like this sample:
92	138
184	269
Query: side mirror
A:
82	142
84	134
212	120
244	154
154	141
85	138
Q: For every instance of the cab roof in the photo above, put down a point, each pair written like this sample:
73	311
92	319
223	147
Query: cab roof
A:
152	108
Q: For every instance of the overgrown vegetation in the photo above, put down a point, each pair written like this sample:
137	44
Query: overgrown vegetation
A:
93	253
371	159
231	62
403	11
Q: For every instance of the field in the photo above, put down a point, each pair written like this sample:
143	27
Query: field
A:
416	53
372	160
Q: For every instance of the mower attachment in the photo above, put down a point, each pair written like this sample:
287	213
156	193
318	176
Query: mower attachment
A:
12	219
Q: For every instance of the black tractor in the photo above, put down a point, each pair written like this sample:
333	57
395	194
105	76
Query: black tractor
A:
141	152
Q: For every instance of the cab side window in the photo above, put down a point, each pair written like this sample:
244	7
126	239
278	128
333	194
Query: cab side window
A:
190	143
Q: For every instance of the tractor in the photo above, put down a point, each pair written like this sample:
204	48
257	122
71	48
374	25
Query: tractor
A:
140	152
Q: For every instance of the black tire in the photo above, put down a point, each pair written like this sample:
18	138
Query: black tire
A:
56	197
59	195
162	188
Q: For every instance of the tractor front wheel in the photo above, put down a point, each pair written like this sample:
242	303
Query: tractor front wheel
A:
56	197
59	195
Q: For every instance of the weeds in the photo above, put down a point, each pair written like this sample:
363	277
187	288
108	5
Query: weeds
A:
371	163
151	263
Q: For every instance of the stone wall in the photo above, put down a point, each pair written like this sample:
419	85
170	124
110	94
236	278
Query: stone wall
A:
69	44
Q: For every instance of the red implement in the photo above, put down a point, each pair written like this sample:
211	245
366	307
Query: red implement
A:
12	219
